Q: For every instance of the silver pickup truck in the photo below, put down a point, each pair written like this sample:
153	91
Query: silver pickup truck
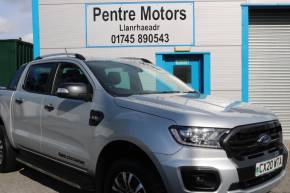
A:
127	126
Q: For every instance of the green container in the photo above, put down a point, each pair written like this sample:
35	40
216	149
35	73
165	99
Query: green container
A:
13	53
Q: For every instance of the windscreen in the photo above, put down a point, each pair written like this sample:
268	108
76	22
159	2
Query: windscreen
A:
122	79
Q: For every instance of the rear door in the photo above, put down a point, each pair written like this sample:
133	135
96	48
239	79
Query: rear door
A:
27	105
66	129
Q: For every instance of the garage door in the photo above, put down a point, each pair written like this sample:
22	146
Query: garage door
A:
269	61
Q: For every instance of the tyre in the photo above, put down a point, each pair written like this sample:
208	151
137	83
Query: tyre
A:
7	155
131	176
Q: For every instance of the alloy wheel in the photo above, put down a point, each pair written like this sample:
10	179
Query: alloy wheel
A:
126	182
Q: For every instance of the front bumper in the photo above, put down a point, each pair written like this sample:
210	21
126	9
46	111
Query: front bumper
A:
216	159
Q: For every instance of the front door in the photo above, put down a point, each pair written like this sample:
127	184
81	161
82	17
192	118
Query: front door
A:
27	105
186	67
66	130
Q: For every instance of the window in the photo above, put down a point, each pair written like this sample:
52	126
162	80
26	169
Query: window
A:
70	73
156	82
147	82
14	82
39	78
121	79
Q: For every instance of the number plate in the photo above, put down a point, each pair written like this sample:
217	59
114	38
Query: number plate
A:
269	165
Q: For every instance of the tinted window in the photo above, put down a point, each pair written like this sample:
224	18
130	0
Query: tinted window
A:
14	82
70	73
39	78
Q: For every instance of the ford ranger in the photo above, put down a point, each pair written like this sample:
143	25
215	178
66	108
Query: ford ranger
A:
127	126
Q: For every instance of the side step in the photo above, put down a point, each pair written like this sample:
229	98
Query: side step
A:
63	173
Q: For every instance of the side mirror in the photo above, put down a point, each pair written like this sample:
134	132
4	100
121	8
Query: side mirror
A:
78	91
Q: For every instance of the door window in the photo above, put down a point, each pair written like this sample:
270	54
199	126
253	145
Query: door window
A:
15	80
39	78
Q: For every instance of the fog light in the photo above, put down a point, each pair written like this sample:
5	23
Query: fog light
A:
200	179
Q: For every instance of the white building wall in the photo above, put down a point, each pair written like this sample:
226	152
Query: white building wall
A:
217	30
269	1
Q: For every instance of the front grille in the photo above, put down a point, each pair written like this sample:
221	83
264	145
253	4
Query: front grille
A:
254	182
242	142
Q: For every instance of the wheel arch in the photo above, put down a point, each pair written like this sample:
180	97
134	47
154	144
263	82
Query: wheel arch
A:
6	131
1	121
122	148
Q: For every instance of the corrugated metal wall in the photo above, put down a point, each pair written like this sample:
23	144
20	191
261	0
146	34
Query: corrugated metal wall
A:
13	53
269	61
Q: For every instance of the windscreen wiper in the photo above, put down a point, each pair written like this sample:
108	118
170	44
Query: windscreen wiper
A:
165	92
192	92
161	92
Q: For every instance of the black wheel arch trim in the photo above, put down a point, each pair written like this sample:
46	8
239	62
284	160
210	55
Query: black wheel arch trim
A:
147	153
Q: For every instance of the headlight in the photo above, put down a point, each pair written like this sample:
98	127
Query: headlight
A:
198	136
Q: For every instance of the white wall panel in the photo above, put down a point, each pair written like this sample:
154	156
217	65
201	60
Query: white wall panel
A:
113	52
268	1
94	1
217	30
224	1
62	25
230	95
225	67
213	26
218	23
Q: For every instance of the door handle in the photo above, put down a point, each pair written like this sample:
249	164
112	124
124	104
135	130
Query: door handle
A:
19	101
49	107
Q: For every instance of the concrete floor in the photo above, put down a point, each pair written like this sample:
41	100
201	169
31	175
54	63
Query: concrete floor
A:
29	181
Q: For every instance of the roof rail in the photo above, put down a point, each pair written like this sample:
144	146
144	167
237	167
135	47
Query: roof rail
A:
78	56
138	59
